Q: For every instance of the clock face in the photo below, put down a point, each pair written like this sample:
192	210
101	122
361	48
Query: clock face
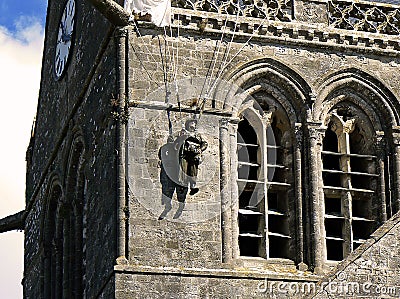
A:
64	39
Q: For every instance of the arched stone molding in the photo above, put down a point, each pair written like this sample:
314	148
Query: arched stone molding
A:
48	238
270	76
345	96
348	107
263	118
74	169
73	219
53	195
360	88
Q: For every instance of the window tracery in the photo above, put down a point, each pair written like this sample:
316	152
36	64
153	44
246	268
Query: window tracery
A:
280	10
350	182
265	181
364	17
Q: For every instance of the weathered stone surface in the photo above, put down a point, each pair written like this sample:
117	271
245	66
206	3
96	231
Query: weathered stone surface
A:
113	96
372	271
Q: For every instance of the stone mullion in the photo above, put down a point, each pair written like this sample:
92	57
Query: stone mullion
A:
396	178
347	232
264	177
234	189
226	216
346	198
66	258
122	201
381	155
298	146
315	133
58	248
47	256
77	266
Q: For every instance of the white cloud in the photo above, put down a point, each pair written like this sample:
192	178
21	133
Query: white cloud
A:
20	62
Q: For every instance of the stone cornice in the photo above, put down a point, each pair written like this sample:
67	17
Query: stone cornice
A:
285	33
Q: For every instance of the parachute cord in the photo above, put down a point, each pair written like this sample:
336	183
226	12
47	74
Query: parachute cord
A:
228	49
142	64
237	53
147	48
214	59
167	54
166	87
226	54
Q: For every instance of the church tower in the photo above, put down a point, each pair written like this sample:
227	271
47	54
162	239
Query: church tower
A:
215	149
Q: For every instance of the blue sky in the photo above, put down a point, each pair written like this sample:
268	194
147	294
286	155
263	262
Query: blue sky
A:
21	47
11	12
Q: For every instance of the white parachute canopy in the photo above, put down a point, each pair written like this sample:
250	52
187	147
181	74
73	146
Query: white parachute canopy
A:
160	10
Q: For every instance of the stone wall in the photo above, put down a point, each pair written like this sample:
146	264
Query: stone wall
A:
80	104
166	282
372	271
58	101
186	255
191	239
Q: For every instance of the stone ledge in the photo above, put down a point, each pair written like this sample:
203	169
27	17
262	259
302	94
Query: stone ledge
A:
153	105
293	33
245	273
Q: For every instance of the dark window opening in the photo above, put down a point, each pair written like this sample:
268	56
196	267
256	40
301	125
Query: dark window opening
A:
362	229
278	224
277	202
363	182
331	162
264	227
334	250
248	224
278	174
248	152
249	246
273	203
362	208
334	228
250	217
330	142
244	199
331	179
333	206
246	132
362	164
279	247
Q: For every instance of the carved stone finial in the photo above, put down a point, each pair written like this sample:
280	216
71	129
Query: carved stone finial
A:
349	126
267	116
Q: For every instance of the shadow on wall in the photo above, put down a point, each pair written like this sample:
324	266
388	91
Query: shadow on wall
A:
180	158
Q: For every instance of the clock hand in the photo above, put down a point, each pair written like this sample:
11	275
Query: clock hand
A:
67	37
64	36
62	27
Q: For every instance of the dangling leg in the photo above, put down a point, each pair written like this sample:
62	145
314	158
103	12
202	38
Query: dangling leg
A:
167	188
181	194
192	179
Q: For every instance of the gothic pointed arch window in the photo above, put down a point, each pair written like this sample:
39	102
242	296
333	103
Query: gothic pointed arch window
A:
50	249
351	179
64	234
266	214
73	224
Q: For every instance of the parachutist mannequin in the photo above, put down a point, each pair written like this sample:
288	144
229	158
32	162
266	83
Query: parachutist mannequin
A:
191	145
180	158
